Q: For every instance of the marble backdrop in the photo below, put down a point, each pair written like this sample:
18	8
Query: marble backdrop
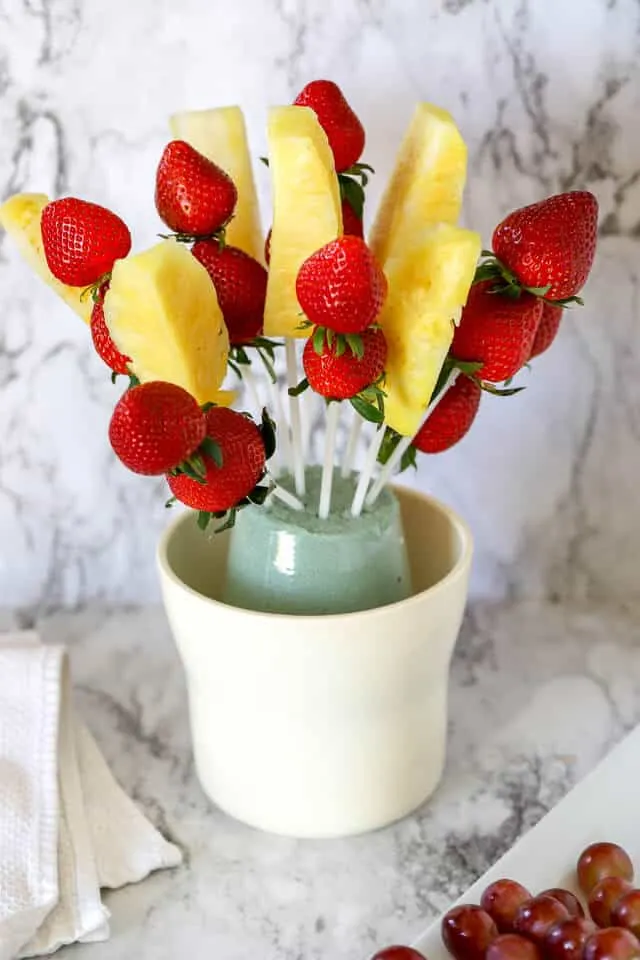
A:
547	94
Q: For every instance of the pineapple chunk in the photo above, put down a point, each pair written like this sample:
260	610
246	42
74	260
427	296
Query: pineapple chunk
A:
426	184
306	210
162	311
221	136
428	285
20	216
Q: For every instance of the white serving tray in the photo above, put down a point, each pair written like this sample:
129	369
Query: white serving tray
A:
605	805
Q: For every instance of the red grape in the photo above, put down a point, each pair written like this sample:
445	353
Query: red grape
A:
614	943
604	897
566	939
626	912
467	931
534	918
509	946
602	860
398	953
568	899
501	899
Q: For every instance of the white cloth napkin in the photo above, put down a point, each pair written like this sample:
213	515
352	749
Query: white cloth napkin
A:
66	827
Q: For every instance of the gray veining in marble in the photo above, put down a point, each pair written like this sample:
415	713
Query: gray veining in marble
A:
547	94
539	693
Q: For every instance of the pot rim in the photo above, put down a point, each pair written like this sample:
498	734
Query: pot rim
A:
457	571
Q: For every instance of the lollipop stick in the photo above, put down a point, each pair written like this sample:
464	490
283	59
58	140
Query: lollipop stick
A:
252	387
287	498
297	456
326	484
283	450
352	444
366	472
403	446
388	469
308	410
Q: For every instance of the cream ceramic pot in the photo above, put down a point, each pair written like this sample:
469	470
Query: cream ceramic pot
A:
319	726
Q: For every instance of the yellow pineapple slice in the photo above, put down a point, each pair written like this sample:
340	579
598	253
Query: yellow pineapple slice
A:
426	184
20	216
429	283
162	311
306	210
221	135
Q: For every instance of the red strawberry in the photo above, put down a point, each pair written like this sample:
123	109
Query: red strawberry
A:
155	426
551	243
351	223
340	376
344	131
451	418
341	286
241	286
243	461
103	344
82	240
193	195
497	330
547	329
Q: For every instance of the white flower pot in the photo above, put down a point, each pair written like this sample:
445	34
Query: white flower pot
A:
319	726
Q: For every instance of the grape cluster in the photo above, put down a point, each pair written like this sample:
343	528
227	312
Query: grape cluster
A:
511	924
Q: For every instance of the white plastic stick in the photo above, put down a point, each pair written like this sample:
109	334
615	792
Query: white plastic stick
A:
308	409
326	484
252	386
403	446
366	472
287	498
283	450
388	469
297	456
352	444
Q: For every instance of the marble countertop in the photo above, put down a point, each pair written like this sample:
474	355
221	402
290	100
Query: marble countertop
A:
539	694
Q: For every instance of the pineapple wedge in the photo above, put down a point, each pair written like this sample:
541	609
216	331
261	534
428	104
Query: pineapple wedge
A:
162	311
428	285
20	216
221	136
426	184
306	210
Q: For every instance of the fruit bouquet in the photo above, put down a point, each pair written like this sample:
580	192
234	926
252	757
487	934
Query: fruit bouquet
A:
388	343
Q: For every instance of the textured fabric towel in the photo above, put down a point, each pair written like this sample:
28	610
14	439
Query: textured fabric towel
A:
66	827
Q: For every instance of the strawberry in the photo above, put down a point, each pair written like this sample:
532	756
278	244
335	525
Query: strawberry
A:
497	331
351	223
241	286
550	244
547	329
344	131
451	418
194	197
102	342
341	286
82	240
155	426
241	464
341	375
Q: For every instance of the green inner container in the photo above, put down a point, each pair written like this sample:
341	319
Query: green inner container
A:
286	561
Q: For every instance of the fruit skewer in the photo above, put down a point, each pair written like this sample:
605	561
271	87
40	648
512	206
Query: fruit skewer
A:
366	473
297	453
351	445
390	467
331	432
